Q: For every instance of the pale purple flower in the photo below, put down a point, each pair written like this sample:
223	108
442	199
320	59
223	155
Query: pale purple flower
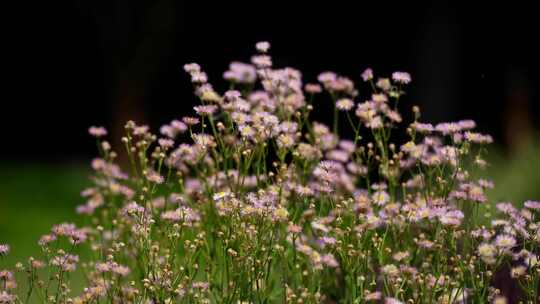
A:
535	205
120	270
205	110
4	249
423	127
97	131
199	77
313	88
173	129
166	143
401	77
478	138
380	197
190	121
6	298
262	61
344	104
154	177
329	260
367	74
192	67
505	241
240	72
262	46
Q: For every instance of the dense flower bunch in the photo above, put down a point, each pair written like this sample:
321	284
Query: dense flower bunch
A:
251	201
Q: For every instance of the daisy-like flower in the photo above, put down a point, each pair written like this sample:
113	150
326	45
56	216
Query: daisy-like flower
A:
505	241
190	121
4	249
380	197
6	298
535	205
192	67
401	77
262	46
313	88
97	131
205	110
262	61
344	104
240	72
367	75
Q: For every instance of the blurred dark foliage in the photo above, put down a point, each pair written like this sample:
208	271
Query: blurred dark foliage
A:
72	64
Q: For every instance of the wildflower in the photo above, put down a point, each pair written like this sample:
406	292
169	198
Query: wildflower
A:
242	73
262	46
344	104
367	74
390	270
192	67
329	260
384	84
262	61
518	271
206	110
505	241
285	141
451	218
534	205
6	298
313	88
166	143
154	177
401	77
97	131
200	285
478	138
4	249
487	252
120	270
66	262
281	214
190	121
380	197
398	256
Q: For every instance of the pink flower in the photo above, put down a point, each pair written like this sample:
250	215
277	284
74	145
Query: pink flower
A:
367	74
313	88
262	46
205	110
192	67
344	104
97	131
401	77
262	61
532	205
4	249
241	73
505	241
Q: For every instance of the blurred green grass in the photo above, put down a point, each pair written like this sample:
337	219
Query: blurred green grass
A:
33	197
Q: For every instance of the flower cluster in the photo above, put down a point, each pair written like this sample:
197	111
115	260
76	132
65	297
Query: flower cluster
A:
251	201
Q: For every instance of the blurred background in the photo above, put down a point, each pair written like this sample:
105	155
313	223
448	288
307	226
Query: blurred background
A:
72	64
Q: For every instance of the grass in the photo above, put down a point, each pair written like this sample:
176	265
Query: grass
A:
33	197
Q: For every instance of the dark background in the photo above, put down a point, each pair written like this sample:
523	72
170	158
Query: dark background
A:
72	64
